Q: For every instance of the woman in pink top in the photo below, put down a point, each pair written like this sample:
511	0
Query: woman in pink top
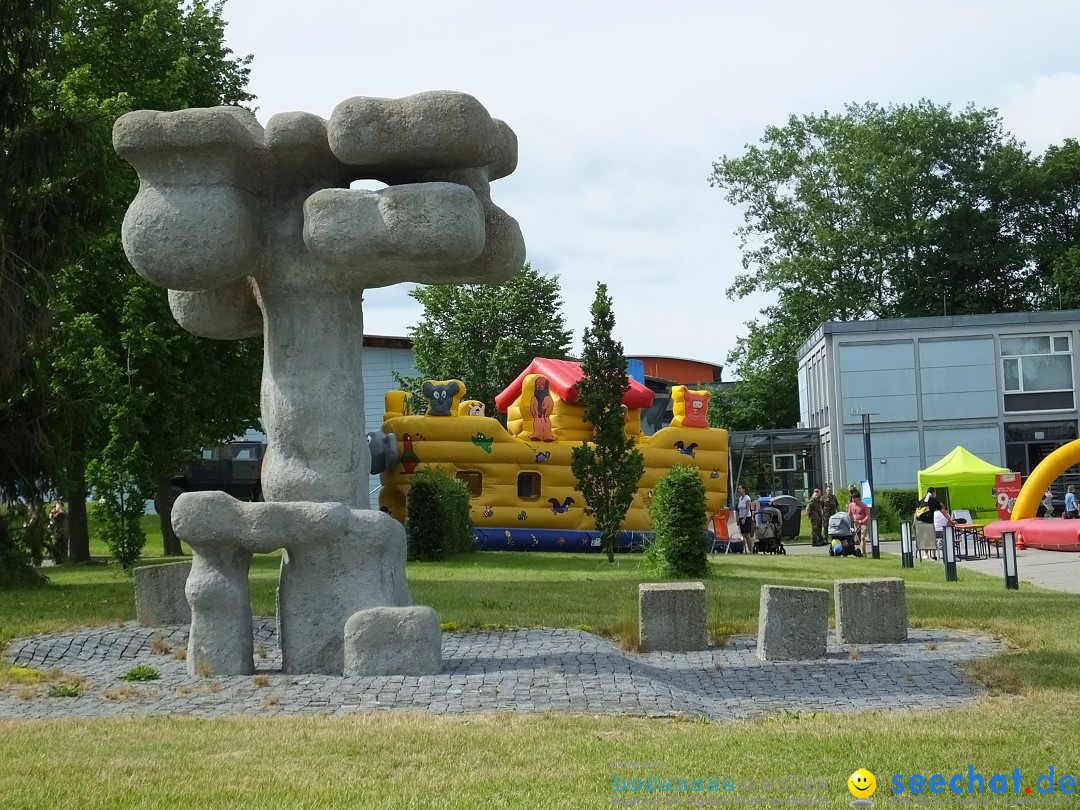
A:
860	519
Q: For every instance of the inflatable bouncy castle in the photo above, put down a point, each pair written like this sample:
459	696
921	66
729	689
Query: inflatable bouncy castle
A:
523	492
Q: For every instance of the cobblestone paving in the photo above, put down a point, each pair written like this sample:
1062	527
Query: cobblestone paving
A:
564	671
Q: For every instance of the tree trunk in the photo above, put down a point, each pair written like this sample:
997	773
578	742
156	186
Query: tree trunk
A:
164	503
78	530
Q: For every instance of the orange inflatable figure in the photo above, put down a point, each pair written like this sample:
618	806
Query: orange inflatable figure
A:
540	408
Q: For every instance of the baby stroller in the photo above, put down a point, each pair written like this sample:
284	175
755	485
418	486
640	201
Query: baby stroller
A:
767	532
841	536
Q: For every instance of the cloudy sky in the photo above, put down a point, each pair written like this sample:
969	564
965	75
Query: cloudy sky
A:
621	108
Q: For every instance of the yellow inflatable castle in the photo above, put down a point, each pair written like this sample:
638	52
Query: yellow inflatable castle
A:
523	492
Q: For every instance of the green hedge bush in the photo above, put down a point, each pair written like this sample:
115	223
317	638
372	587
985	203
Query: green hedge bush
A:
678	521
438	516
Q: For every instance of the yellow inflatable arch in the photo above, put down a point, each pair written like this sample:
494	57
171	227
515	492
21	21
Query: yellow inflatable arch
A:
1047	471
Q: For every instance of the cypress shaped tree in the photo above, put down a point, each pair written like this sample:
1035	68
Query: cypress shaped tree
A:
607	469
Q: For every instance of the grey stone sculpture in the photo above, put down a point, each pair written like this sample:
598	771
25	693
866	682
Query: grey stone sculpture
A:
256	231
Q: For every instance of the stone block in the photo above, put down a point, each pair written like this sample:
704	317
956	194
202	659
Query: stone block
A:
793	623
671	616
871	611
159	594
393	641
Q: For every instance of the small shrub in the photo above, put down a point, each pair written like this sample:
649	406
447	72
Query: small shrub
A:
260	681
141	673
678	520
64	690
438	516
902	502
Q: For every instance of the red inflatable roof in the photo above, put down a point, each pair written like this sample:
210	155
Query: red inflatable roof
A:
564	376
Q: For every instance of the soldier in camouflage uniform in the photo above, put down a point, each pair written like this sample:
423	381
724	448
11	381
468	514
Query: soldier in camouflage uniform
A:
816	512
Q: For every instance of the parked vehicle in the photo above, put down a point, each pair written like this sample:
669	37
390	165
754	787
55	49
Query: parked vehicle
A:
235	468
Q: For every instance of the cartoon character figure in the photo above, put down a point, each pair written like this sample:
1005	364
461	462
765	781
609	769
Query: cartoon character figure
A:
558	508
471	407
409	459
483	442
540	407
686	450
689	408
442	396
697	409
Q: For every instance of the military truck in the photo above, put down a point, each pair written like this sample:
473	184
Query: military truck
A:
235	468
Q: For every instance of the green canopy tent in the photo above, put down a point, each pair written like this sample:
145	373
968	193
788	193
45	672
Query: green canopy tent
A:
969	479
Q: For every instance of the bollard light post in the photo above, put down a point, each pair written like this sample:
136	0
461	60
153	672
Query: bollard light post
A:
875	540
950	554
1008	543
907	556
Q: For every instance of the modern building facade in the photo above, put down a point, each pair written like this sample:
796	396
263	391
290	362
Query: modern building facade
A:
1002	385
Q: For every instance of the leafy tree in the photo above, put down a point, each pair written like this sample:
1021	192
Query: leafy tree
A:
678	519
608	469
46	189
1056	222
116	382
485	334
878	212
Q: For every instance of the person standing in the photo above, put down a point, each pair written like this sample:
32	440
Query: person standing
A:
859	513
1046	508
829	505
58	528
746	518
1071	511
815	511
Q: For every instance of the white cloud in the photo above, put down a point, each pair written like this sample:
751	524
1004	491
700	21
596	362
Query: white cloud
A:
620	110
1043	111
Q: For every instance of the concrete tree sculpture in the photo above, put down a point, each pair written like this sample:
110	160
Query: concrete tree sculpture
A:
256	231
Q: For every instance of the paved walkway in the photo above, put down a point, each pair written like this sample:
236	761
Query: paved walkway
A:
524	671
1056	570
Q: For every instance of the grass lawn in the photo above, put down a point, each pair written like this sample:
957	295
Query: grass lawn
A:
1031	721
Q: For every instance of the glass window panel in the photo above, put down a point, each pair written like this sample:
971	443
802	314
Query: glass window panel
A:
1030	344
1061	344
1047	373
528	486
1011	367
1052	401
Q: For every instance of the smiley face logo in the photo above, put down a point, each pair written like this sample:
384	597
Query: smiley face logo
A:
862	784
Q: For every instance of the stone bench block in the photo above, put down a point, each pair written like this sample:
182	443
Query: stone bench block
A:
393	641
871	611
793	623
159	594
671	616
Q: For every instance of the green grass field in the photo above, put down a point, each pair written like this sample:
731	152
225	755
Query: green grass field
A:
1030	721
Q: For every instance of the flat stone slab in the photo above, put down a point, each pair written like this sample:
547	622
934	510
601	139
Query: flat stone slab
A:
521	671
159	593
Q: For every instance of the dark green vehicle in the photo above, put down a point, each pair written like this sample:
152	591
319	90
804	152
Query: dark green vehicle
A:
235	468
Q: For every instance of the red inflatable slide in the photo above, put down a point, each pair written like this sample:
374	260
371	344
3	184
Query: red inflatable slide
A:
1049	535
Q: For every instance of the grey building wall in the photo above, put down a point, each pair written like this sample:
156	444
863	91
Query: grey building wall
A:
930	384
379	366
